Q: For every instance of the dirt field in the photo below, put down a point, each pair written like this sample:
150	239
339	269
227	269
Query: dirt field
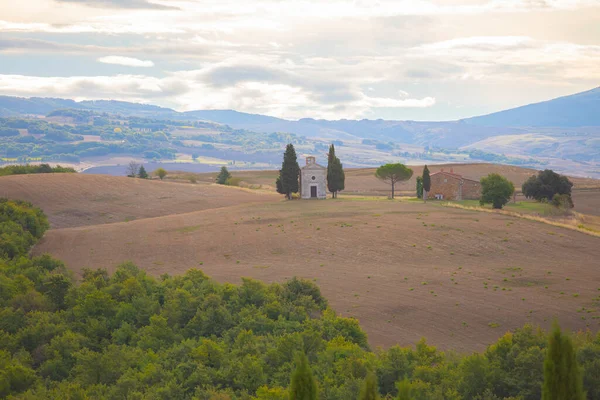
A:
587	201
405	269
78	199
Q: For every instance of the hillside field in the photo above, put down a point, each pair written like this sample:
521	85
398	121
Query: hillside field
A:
405	269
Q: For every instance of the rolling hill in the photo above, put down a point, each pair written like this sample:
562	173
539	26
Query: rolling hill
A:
576	110
562	133
405	269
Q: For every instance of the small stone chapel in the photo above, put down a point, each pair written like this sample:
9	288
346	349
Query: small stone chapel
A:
313	180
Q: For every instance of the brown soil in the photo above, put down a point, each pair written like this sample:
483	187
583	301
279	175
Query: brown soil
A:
587	201
77	199
406	270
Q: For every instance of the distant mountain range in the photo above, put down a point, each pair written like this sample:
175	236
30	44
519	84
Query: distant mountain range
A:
576	110
566	127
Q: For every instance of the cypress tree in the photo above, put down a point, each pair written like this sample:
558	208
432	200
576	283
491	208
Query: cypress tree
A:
563	379
142	173
331	181
419	187
369	390
290	172
404	390
278	184
223	176
426	183
303	385
336	178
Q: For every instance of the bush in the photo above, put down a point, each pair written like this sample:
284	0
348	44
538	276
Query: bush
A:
161	173
563	201
233	181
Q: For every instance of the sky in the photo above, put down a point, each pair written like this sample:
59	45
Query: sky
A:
390	59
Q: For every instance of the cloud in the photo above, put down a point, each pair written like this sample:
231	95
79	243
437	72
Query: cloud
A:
133	4
311	58
122	87
127	61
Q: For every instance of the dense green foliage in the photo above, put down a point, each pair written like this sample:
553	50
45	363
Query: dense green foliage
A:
21	225
419	187
545	185
33	169
562	374
287	182
404	390
369	390
131	336
336	178
393	173
223	176
496	190
303	385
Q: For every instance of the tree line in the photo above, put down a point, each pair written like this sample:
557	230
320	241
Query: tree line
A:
127	335
497	190
34	169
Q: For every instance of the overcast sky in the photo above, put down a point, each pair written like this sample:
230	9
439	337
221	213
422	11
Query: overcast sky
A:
391	59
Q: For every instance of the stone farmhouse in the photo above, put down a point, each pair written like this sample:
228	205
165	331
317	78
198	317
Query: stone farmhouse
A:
451	186
313	180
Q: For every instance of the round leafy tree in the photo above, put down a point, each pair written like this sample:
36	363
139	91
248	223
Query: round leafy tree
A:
496	190
393	173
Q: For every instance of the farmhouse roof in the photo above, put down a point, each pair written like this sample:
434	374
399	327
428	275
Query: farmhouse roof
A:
453	175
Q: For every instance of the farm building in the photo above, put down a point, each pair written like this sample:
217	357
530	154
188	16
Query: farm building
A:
451	186
313	180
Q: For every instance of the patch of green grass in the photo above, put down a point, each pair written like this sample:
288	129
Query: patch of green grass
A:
525	207
493	325
187	229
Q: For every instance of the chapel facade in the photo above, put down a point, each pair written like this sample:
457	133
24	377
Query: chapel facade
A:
313	180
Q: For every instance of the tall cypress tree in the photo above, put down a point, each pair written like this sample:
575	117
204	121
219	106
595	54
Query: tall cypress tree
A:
563	379
369	390
419	187
335	173
331	186
143	174
303	385
426	183
290	172
404	390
